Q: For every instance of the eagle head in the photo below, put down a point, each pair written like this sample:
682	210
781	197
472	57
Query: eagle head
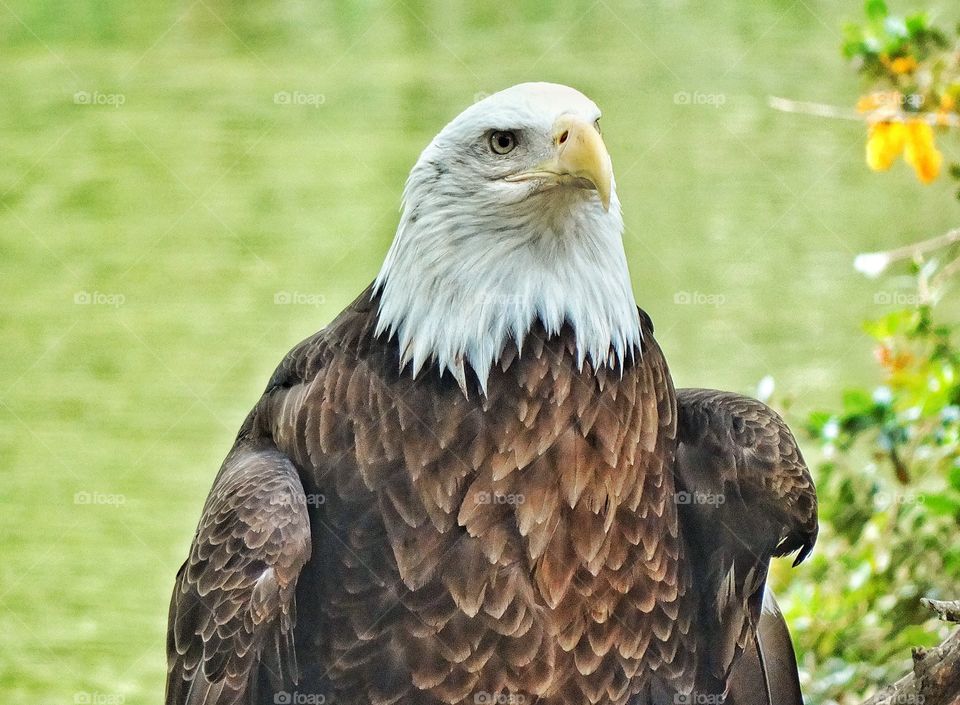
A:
510	216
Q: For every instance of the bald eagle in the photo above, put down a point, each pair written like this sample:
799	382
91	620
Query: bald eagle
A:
478	484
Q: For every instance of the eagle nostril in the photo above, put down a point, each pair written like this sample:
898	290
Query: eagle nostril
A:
563	137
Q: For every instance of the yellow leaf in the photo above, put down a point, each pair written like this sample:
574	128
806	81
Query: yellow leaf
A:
885	143
904	64
921	151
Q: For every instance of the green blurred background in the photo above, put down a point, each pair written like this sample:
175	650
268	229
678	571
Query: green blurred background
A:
169	170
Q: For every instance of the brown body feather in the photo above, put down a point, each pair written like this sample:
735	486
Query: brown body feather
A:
519	546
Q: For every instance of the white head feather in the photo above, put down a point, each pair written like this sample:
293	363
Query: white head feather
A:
477	259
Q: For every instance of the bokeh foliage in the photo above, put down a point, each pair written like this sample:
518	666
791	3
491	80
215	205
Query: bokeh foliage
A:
889	487
889	475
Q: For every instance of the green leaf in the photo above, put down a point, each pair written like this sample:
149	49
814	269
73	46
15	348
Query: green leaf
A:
857	401
854	48
941	505
816	421
916	24
893	323
955	477
854	43
876	9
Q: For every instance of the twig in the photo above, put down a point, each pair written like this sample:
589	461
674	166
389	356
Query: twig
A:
924	246
818	109
882	115
874	263
948	271
948	610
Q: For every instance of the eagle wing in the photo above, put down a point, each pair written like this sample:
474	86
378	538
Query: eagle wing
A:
745	496
233	610
766	673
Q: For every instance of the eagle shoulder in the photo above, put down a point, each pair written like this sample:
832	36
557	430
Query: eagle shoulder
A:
731	443
307	358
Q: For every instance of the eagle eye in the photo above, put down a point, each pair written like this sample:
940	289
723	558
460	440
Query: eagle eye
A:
502	141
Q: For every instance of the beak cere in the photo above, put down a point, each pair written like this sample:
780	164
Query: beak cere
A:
582	154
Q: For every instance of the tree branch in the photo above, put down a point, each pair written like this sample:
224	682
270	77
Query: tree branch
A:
935	679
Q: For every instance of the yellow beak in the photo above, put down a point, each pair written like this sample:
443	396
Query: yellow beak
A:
581	159
582	154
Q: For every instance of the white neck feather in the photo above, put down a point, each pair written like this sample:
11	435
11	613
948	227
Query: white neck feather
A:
456	286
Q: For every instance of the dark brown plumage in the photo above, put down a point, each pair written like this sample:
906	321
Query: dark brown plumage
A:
379	538
747	495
